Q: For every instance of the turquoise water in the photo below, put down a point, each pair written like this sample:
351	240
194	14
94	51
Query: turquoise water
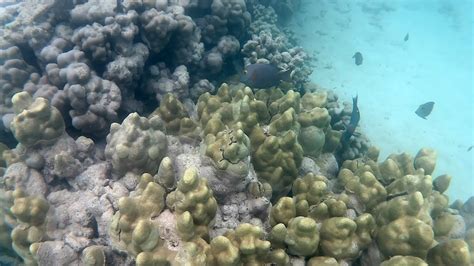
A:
434	64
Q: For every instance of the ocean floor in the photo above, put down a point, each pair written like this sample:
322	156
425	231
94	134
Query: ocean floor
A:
434	64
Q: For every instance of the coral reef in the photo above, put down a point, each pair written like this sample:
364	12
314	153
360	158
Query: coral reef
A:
125	140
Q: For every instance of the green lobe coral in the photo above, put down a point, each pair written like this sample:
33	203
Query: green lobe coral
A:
131	228
175	117
36	121
229	150
30	225
302	237
405	236
344	238
193	200
277	125
452	252
137	145
404	261
253	249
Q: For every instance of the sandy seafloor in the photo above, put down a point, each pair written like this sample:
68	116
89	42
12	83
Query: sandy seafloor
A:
435	64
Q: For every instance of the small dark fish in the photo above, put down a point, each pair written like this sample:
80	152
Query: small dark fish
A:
406	37
425	109
355	117
392	196
470	148
358	58
262	76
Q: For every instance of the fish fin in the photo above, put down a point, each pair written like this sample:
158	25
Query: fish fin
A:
285	75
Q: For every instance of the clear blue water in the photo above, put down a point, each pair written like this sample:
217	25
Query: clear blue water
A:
434	64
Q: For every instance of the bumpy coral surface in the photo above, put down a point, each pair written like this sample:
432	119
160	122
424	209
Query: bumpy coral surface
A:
137	145
126	139
36	121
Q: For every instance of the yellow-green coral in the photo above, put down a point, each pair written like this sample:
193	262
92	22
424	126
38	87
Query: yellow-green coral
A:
413	205
451	252
193	253
131	228
441	183
411	183
283	211
30	212
312	140
302	237
277	159
279	103
318	117
282	123
426	159
160	257
234	108
396	166
166	176
175	117
343	238
312	136
469	238
322	261
254	250
447	226
36	121
331	207
224	252
332	140
405	236
193	195
137	145
315	99
93	256
308	191
276	125
364	186
229	150
404	261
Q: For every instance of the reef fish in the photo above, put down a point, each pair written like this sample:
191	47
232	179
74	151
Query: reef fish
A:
406	37
425	109
470	148
355	117
263	76
358	58
392	196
